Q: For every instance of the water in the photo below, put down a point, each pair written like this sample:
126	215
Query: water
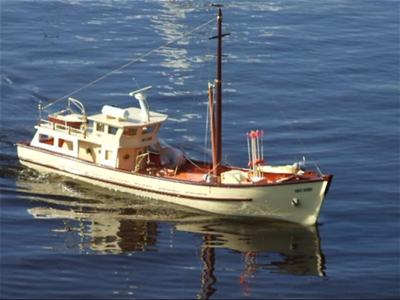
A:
322	80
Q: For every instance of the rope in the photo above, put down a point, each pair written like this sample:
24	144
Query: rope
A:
130	63
194	164
209	171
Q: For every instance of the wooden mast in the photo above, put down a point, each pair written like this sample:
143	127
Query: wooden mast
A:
218	88
216	117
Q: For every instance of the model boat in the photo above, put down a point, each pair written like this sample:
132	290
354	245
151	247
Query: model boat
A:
119	148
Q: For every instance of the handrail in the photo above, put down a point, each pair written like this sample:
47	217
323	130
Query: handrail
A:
77	104
62	127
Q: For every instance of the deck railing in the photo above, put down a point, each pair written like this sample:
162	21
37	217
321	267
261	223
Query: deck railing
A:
63	128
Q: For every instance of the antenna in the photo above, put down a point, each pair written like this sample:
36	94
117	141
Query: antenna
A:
144	106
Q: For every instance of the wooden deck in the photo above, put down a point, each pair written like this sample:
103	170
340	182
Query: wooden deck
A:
197	171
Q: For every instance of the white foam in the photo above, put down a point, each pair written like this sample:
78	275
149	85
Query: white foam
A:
180	129
136	17
192	116
181	93
74	62
95	22
182	120
189	138
7	79
85	39
258	6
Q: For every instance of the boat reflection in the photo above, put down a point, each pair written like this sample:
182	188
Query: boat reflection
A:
104	221
108	222
298	246
277	247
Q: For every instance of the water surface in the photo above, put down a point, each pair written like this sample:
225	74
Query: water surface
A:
321	79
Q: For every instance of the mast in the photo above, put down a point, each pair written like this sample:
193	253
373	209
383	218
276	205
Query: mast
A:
216	117
218	88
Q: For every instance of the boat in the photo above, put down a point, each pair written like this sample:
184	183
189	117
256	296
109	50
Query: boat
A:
119	148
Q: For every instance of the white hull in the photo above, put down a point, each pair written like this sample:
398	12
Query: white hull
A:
258	201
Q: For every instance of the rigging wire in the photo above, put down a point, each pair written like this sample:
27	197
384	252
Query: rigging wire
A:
132	61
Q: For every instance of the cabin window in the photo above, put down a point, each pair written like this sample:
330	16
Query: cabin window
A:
130	131
100	127
46	139
68	144
108	154
112	130
148	129
90	126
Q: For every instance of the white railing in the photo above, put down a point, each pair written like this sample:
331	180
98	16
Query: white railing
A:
63	128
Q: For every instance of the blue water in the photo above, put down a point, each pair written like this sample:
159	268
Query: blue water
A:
321	78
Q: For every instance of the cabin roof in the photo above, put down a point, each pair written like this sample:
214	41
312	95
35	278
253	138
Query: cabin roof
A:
134	119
